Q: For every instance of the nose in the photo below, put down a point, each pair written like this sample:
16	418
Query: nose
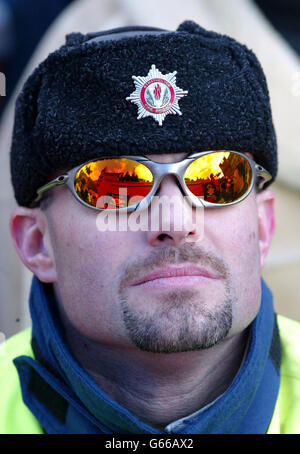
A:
173	220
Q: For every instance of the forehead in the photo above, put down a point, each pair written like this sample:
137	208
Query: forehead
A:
175	157
167	157
156	157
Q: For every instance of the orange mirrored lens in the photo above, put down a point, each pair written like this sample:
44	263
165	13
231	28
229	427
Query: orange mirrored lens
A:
220	177
113	183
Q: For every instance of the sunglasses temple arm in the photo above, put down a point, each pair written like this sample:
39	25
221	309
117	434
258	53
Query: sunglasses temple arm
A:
59	181
263	175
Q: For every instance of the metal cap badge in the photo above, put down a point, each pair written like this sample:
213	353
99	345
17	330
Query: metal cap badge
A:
156	95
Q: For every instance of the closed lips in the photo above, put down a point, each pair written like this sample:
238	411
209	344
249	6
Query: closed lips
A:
171	272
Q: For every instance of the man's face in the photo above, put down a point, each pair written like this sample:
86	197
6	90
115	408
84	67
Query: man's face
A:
100	276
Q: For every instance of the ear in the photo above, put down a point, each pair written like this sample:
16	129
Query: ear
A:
266	222
30	233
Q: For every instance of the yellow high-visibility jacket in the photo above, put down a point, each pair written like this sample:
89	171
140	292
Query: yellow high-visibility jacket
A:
16	418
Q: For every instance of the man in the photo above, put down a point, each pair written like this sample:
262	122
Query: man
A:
156	329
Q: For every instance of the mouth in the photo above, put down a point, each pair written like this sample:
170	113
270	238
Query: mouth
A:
171	276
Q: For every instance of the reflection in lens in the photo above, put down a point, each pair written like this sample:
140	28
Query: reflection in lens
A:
111	183
219	177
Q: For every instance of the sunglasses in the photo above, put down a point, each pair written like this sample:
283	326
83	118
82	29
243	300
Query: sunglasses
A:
209	179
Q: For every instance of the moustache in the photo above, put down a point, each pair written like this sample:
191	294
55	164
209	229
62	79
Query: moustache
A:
171	255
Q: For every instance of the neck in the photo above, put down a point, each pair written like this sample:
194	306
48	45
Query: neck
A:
159	388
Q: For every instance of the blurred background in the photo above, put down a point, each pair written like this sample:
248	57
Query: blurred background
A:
30	29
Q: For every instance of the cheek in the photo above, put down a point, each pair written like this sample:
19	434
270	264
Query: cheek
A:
234	233
243	247
235	236
81	247
87	262
246	265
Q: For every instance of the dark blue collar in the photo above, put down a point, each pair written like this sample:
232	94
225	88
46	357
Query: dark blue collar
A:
65	399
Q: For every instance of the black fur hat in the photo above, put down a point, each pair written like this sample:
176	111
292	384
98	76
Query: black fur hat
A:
75	107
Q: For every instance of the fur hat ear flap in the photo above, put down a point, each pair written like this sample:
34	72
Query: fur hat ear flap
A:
26	113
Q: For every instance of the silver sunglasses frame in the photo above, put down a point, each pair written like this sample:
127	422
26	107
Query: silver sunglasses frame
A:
159	170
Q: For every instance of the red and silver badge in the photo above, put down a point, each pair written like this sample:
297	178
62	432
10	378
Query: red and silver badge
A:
156	95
